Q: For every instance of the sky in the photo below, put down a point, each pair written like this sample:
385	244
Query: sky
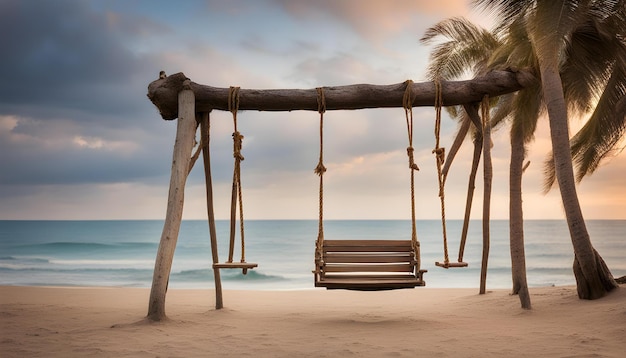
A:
79	139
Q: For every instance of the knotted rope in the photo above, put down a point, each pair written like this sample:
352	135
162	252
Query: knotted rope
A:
320	169
237	195
407	102
440	157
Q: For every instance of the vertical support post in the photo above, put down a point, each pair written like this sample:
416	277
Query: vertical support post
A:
185	133
205	130
488	176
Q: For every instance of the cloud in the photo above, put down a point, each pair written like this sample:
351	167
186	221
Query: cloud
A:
374	20
67	58
45	152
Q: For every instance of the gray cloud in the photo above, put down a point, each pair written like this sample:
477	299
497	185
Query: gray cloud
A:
73	96
63	56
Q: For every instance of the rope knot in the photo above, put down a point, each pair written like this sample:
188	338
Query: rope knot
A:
237	145
320	169
440	153
409	152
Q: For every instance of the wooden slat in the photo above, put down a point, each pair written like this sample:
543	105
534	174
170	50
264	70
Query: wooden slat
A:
331	243
451	264
368	268
367	246
367	284
235	265
368	276
368	257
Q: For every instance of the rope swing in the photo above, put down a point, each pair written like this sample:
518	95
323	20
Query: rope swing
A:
237	195
320	169
366	265
440	156
407	102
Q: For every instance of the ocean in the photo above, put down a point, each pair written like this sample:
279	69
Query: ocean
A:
122	253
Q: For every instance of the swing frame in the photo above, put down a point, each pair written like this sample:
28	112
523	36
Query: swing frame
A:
177	97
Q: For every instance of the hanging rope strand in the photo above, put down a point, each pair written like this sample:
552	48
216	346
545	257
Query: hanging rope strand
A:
407	102
320	169
233	107
440	156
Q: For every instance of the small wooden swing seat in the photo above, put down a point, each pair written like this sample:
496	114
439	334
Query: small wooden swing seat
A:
368	265
235	265
451	264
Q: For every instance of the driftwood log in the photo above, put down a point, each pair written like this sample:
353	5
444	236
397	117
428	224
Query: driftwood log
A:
164	94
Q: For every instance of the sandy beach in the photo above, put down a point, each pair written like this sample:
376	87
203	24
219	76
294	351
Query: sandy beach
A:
424	322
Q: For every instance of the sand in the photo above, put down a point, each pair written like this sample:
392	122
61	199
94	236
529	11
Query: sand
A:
424	322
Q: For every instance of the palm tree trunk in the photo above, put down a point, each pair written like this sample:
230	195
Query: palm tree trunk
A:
516	217
592	278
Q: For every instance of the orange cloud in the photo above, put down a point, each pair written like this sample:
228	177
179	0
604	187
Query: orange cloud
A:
376	19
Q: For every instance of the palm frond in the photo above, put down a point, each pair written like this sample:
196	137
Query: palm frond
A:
467	49
529	106
505	11
549	174
551	24
587	68
605	129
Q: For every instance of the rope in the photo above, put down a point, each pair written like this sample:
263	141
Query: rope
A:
440	156
233	107
407	102
320	169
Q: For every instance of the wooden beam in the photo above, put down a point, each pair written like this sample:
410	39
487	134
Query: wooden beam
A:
164	91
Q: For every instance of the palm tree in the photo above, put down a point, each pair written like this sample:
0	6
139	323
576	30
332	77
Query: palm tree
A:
523	109
471	48
551	25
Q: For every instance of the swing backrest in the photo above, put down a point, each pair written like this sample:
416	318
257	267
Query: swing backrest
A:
368	265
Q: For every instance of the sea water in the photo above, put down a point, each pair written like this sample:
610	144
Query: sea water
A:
122	253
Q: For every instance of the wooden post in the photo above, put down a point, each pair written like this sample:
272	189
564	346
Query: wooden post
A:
185	134
205	130
488	176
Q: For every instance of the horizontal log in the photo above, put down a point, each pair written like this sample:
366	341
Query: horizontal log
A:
164	93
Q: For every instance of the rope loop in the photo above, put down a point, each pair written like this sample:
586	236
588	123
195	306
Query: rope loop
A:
233	99
407	103
321	100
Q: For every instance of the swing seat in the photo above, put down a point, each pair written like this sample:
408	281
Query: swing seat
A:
235	265
451	264
368	265
244	266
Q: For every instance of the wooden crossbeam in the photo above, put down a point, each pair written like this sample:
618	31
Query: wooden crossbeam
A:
164	91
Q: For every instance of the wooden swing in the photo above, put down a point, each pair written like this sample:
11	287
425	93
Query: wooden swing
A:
367	265
440	155
236	197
